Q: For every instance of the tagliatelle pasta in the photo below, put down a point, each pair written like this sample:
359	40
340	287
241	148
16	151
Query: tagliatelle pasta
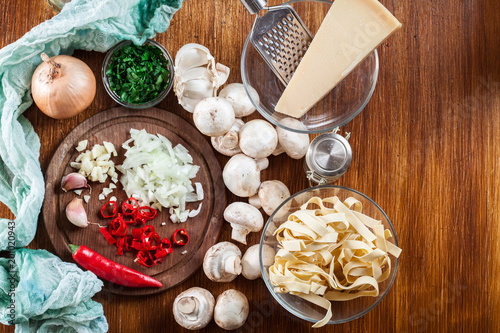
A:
331	254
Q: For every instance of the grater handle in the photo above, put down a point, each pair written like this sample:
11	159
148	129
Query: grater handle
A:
254	6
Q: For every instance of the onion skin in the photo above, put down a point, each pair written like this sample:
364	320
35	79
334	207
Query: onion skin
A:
63	86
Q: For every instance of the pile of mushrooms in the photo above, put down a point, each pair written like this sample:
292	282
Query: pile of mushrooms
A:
194	309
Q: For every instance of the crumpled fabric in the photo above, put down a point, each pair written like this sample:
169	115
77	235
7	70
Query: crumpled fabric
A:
50	295
82	24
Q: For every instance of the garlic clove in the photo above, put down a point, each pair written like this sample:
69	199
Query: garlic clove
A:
198	89
192	55
222	74
73	181
76	213
195	74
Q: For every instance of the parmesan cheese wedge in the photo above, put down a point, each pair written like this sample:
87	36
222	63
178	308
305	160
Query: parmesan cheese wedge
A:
351	30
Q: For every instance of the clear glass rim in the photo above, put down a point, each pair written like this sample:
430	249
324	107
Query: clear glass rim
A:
115	97
271	119
291	309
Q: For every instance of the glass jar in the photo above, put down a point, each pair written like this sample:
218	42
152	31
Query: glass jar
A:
328	158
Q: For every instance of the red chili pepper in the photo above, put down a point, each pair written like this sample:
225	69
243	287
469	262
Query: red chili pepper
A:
104	231
183	233
144	258
104	209
130	206
110	270
118	227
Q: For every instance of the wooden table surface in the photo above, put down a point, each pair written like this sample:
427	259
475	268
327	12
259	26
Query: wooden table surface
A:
426	149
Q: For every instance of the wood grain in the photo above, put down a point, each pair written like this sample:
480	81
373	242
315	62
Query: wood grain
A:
113	126
425	149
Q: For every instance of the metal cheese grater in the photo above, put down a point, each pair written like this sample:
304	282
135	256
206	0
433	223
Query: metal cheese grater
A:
280	37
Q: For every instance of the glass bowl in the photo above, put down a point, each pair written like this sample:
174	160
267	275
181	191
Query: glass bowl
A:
337	108
151	103
342	311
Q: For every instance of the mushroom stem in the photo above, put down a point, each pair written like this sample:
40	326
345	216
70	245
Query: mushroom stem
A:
279	150
262	163
239	234
232	265
255	201
187	305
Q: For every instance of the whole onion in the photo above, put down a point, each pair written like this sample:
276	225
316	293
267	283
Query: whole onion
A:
62	86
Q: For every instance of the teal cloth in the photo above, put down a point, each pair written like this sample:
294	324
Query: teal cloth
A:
83	24
50	295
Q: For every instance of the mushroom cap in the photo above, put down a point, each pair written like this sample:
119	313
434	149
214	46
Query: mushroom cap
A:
236	95
231	309
244	218
250	262
241	175
271	194
222	262
213	116
194	308
294	144
258	138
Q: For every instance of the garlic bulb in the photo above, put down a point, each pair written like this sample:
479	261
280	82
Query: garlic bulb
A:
197	75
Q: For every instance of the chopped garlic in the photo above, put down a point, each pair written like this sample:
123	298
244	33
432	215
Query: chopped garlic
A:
78	192
86	198
184	252
106	191
112	199
101	197
112	186
82	145
96	164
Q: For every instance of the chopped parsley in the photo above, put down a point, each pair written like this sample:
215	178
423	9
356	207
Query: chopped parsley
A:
138	74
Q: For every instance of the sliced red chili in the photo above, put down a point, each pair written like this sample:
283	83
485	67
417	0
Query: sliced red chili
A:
109	210
136	233
147	213
129	219
144	258
150	241
183	239
104	231
163	249
130	206
124	244
118	227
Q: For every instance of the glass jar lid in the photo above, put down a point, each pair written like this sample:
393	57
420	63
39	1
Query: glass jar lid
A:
329	155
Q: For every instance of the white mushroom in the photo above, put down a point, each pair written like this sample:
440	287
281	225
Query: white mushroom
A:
236	95
250	262
244	218
227	144
231	309
293	144
271	194
213	116
194	308
258	138
241	175
222	262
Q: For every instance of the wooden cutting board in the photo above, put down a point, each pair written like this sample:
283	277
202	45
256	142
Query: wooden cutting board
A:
114	125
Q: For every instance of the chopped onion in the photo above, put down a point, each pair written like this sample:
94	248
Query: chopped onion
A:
159	175
195	212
